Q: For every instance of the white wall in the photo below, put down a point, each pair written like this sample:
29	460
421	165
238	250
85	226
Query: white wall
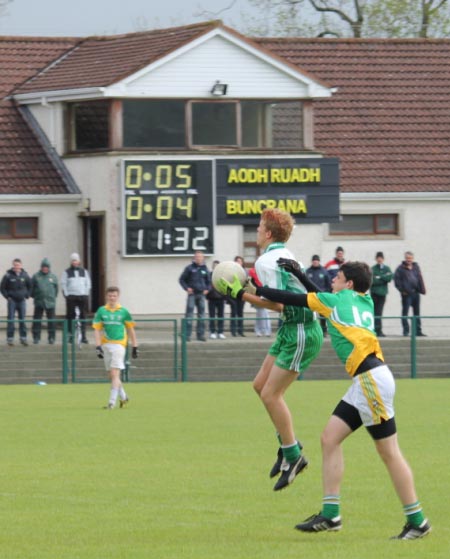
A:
59	236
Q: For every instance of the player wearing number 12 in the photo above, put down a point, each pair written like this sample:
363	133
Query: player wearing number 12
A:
370	399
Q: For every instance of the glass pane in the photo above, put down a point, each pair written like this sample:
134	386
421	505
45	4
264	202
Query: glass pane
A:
154	124
25	227
214	124
253	116
386	223
5	227
91	125
286	125
353	224
268	124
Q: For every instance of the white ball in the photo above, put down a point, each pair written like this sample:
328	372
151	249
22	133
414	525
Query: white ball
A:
228	270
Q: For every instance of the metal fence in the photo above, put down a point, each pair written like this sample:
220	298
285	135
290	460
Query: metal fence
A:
165	355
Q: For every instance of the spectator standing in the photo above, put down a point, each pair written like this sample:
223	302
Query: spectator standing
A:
216	306
195	280
409	281
263	326
15	288
333	265
381	276
319	275
237	309
76	287
44	290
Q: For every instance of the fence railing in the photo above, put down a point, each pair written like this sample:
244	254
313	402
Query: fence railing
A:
166	355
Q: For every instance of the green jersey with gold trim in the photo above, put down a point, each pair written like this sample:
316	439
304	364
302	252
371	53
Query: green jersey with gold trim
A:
351	321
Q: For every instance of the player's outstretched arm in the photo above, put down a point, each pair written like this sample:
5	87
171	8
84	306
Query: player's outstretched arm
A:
284	297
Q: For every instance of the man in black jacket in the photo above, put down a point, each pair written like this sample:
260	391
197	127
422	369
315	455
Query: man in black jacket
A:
195	280
15	288
409	281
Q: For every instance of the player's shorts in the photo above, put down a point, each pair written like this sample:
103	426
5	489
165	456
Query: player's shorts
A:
297	345
370	402
114	356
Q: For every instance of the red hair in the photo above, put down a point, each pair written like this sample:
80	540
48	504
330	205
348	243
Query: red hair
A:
279	223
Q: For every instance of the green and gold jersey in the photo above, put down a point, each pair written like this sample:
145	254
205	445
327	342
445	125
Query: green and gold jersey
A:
114	323
350	324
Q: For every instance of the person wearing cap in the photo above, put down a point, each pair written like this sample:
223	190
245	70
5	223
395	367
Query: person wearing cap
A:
15	288
381	276
76	287
44	290
335	263
319	275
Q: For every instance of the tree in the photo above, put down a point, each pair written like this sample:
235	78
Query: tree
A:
354	18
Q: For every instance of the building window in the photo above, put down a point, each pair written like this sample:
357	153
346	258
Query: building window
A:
18	227
251	249
366	224
180	124
214	124
159	124
90	125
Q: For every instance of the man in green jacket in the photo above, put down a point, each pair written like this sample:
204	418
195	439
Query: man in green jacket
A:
44	290
381	276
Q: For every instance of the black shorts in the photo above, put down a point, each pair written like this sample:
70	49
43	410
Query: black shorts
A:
350	415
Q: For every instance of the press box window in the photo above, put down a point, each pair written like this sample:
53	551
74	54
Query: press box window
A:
378	224
158	124
91	125
214	124
18	227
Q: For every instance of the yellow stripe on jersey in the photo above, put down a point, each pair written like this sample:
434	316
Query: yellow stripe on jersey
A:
364	343
373	397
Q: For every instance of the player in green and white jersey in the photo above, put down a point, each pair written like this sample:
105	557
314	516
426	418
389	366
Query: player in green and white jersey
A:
112	325
298	342
370	399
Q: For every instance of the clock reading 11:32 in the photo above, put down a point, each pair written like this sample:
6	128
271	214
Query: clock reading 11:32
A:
167	207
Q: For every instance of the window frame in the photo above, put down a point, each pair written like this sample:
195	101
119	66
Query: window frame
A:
14	236
375	232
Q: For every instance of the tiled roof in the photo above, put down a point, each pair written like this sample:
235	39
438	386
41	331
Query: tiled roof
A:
25	164
102	61
389	121
22	57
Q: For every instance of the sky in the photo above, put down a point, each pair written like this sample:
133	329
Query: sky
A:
108	17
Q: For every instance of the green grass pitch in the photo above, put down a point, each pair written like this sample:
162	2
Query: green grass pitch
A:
182	473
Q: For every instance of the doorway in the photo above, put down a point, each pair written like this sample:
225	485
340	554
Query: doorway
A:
94	257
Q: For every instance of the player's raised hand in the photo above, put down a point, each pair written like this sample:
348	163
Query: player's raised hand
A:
289	265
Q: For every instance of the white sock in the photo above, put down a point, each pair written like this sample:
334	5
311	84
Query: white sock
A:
113	396
122	393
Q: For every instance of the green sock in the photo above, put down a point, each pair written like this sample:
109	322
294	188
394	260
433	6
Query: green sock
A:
331	506
291	453
414	514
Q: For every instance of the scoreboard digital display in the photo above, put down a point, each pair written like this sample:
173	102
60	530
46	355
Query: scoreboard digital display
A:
167	207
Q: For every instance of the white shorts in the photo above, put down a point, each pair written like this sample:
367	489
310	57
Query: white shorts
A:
114	356
372	394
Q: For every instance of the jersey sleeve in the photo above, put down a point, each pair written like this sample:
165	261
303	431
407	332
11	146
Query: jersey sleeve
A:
97	322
